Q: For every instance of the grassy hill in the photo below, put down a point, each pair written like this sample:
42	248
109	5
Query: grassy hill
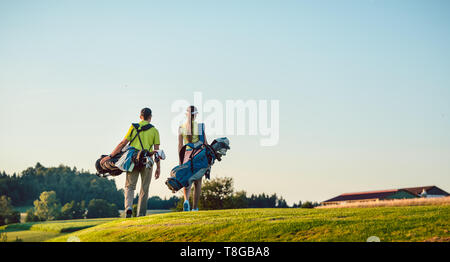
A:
40	231
409	223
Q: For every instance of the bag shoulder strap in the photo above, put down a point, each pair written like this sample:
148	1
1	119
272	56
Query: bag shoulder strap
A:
146	127
183	152
138	130
135	126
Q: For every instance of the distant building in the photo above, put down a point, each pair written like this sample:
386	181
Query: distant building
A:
427	191
403	193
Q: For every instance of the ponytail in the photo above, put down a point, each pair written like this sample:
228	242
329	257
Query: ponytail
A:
190	125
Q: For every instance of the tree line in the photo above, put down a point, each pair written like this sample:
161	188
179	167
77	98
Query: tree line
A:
69	184
48	207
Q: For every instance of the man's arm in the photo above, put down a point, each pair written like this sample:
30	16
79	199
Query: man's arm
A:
119	147
117	150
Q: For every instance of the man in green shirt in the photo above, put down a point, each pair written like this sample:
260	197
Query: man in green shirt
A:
150	141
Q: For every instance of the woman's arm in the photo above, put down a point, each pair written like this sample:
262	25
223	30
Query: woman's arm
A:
180	142
180	139
204	135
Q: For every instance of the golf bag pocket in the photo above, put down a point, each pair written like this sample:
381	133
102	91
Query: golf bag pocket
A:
125	162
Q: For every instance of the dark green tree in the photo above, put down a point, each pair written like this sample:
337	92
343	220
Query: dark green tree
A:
7	213
239	200
307	204
73	210
30	216
47	207
155	202
281	203
297	205
217	193
99	208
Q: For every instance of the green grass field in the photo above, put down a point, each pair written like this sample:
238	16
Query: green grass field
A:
409	223
40	231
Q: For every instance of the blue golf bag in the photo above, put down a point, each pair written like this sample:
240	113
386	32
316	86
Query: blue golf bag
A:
199	164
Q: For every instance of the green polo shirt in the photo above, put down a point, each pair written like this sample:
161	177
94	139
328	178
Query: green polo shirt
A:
148	137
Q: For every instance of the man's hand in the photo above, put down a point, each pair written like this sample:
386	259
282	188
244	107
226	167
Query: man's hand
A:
106	158
157	172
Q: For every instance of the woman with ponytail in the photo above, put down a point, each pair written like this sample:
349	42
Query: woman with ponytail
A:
189	133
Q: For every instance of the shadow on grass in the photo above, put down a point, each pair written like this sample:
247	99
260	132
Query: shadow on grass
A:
73	229
16	227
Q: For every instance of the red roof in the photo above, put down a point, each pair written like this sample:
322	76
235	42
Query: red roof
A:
431	190
371	192
380	194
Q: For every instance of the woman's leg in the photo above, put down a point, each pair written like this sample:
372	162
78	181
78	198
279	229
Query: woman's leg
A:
186	193
197	192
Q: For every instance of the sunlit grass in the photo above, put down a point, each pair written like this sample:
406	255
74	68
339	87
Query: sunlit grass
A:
414	223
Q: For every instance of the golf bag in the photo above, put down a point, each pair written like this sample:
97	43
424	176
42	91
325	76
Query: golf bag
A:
199	164
128	158
108	168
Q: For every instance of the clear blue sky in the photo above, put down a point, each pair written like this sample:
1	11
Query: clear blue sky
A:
364	86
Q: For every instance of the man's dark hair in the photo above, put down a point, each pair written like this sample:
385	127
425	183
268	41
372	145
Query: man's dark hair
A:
146	113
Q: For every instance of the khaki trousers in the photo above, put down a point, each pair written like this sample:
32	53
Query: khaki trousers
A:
130	186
